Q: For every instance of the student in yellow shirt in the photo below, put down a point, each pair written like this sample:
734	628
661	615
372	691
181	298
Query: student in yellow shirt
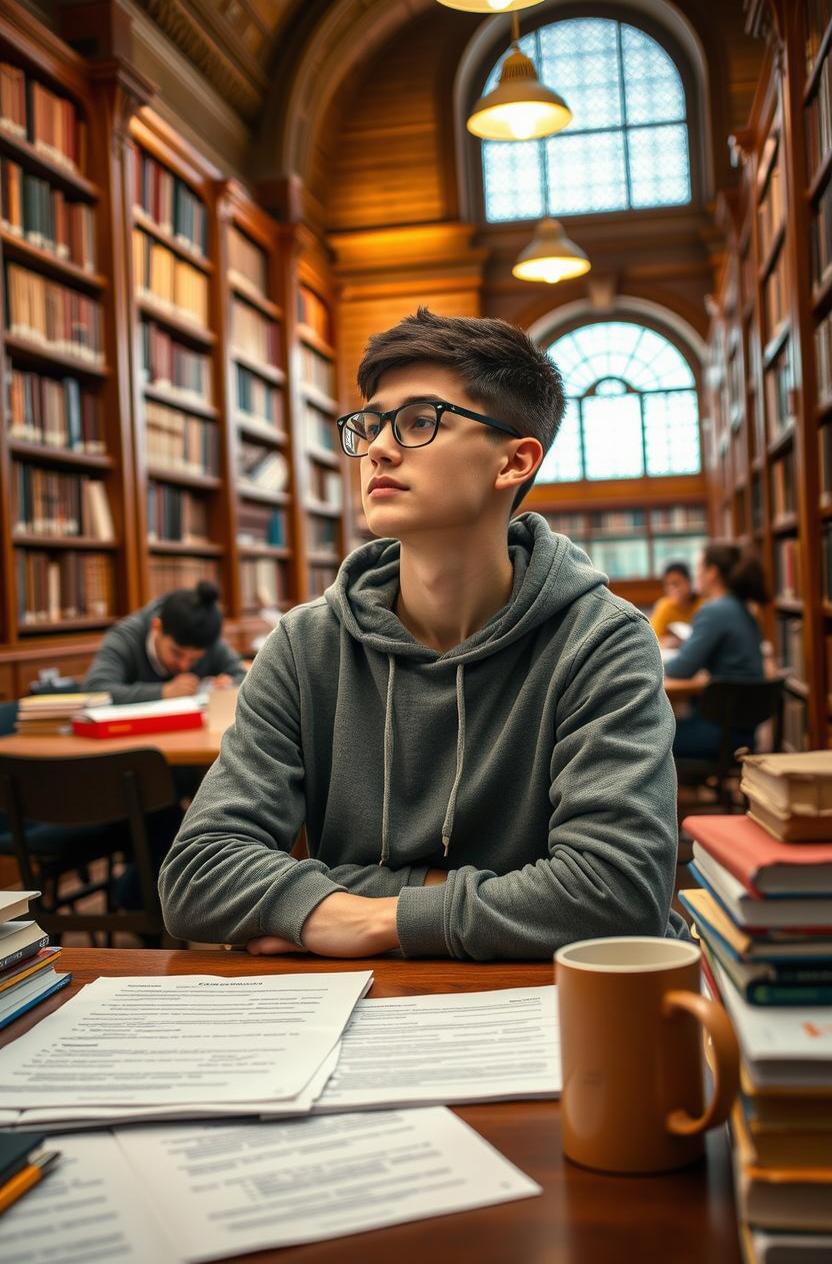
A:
679	604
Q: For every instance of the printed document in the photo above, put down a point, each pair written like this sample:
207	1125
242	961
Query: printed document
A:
449	1048
85	1209
181	1040
222	1190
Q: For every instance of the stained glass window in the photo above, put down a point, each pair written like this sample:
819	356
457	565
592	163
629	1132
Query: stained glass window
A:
632	407
627	144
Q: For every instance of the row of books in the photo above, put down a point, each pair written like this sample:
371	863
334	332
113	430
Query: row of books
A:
316	370
50	313
180	441
319	430
679	518
68	586
169	364
258	524
823	357
783	485
771	210
167	573
52	503
163	277
247	260
34	113
819	121
787	569
261	583
322	534
257	398
776	297
789	633
795	723
780	393
252	334
31	208
54	412
176	514
573	525
313	312
260	467
764	917
818	14
27	963
169	202
320	577
820	235
618	522
326	486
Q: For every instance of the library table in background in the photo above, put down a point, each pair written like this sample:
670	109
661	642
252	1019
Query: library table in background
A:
196	748
581	1218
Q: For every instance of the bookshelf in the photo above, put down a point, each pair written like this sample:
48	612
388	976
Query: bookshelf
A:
65	548
778	231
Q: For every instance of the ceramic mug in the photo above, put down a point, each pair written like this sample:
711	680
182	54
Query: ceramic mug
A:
631	1019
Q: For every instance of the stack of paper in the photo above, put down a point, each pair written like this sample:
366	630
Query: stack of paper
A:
27	973
50	713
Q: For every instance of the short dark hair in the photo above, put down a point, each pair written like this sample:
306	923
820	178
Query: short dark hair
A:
191	615
677	568
499	364
741	573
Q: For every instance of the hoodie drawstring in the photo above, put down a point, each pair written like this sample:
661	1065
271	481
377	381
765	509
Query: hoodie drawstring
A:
450	812
448	823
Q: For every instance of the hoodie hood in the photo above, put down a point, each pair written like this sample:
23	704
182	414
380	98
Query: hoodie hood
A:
550	572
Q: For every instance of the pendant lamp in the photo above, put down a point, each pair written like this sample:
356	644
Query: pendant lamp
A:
550	256
520	107
488	6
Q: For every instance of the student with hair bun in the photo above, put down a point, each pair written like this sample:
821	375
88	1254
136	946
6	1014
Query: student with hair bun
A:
725	641
166	649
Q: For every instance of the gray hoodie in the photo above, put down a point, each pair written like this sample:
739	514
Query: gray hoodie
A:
533	762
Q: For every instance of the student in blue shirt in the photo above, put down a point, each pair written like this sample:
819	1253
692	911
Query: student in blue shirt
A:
725	641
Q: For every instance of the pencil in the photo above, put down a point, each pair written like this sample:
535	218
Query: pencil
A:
26	1179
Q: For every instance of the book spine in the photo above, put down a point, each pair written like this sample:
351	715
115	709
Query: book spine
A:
23	953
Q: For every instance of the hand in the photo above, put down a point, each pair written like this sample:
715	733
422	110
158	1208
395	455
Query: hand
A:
435	877
182	686
342	925
222	682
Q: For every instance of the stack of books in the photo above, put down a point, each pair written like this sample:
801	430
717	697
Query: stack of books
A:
27	963
764	919
51	713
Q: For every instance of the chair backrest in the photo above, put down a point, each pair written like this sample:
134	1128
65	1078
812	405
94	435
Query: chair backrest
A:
739	705
88	790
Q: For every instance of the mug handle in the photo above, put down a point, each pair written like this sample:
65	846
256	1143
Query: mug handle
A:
725	1066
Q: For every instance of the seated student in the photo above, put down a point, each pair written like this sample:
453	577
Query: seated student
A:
166	649
678	605
472	728
725	641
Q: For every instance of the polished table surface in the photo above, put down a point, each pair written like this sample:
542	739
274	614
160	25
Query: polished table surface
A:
685	1217
193	747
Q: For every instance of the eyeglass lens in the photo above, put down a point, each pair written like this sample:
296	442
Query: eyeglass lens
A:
415	425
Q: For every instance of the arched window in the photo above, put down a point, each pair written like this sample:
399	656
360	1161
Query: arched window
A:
632	407
627	145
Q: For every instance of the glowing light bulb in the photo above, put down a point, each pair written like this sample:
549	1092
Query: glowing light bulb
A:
498	4
523	118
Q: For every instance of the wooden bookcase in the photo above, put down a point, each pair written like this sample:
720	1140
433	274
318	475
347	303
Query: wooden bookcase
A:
768	453
66	540
214	387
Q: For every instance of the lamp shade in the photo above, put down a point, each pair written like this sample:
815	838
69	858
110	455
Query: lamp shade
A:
520	107
488	6
550	256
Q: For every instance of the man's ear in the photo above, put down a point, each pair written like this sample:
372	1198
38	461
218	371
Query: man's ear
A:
521	458
156	625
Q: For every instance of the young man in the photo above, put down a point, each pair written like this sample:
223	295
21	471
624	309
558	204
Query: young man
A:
166	649
471	726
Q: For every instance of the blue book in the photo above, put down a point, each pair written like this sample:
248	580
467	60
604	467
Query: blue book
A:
25	998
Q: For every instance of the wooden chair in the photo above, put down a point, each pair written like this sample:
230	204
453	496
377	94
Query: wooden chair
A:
89	791
736	706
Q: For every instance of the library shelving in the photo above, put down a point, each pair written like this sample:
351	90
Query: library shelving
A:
775	299
66	549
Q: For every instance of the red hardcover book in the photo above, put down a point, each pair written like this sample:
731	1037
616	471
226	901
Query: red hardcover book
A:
763	864
141	717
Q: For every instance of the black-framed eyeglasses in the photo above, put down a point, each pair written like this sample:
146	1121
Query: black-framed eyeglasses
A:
414	425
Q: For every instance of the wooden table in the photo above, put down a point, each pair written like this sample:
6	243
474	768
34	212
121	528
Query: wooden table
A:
686	1217
193	747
